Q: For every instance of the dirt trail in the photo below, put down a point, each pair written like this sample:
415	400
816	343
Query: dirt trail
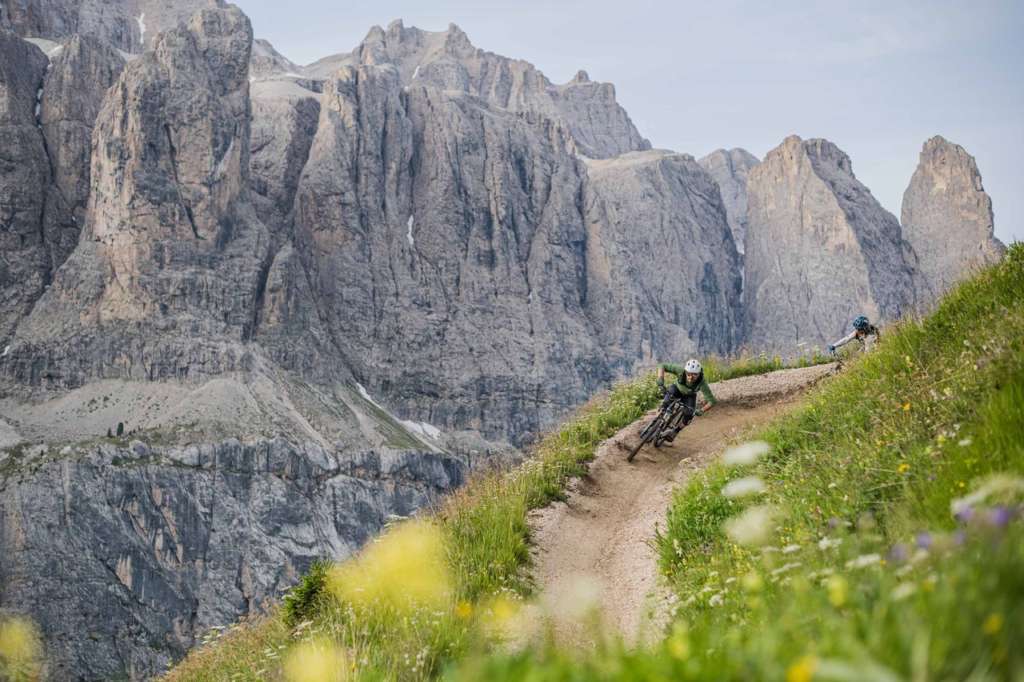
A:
600	540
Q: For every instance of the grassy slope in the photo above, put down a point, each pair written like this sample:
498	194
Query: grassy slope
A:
867	574
485	526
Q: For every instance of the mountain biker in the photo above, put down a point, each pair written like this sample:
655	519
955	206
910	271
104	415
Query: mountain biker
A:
865	333
689	380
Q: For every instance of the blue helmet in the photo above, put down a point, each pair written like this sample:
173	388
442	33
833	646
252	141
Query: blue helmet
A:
861	324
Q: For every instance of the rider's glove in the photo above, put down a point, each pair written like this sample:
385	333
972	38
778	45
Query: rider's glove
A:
831	349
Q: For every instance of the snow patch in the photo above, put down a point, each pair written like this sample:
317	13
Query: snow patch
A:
141	20
408	234
221	165
423	429
55	51
7	349
415	72
39	104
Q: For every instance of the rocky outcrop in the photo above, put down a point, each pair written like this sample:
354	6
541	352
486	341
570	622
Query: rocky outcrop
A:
730	169
78	78
947	216
128	25
820	250
24	178
127	555
173	262
284	122
448	60
662	273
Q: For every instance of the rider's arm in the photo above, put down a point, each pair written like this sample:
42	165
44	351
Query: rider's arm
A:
709	397
670	368
845	340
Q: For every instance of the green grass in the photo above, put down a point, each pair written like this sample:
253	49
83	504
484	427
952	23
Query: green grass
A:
866	573
487	548
871	462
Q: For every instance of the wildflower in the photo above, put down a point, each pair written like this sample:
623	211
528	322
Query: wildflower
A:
752	582
999	485
903	468
318	660
864	560
903	590
404	568
924	540
906	407
742	487
964	442
750	528
745	454
899	553
1000	516
716	599
789	549
679	642
786	568
993	624
20	649
463	610
829	543
802	670
837	590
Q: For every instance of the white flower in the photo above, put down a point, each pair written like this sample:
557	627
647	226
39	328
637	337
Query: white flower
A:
964	442
829	543
716	600
786	568
789	549
742	487
746	453
864	560
903	590
752	527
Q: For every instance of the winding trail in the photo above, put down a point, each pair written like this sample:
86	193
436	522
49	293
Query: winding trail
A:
600	541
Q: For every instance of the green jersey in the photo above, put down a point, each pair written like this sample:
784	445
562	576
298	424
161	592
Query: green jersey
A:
686	389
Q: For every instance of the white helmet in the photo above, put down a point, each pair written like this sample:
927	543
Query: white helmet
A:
692	366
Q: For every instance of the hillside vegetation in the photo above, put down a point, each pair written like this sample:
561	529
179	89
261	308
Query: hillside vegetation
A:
872	534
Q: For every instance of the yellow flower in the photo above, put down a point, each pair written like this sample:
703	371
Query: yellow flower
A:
752	582
679	642
404	569
802	670
906	407
903	468
464	610
837	590
20	649
316	661
993	624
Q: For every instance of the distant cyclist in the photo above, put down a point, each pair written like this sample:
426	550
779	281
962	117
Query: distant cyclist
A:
689	380
864	333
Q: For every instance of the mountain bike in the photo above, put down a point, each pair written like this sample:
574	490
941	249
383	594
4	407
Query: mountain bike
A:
669	421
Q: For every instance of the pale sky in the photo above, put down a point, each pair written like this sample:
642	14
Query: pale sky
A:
878	78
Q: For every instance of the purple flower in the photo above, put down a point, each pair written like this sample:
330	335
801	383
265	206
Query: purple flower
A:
899	553
965	514
834	523
1000	516
959	537
924	540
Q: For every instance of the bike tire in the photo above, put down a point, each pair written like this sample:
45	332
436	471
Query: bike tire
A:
646	436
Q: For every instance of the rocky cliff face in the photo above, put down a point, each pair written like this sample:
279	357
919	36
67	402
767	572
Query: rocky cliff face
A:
24	177
820	250
662	273
127	25
730	169
947	216
126	555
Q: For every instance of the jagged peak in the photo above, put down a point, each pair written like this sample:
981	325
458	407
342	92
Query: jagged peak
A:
581	77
